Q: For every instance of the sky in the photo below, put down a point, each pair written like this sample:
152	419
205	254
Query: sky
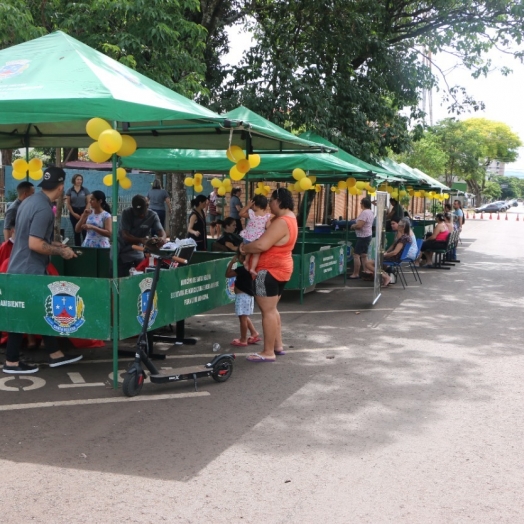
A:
501	95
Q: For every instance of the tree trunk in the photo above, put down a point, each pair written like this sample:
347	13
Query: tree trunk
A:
7	156
178	218
59	202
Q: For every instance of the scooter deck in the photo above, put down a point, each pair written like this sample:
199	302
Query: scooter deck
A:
189	370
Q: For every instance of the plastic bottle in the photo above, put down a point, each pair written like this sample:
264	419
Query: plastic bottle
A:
216	347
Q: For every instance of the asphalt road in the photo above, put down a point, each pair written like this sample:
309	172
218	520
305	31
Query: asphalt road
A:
407	412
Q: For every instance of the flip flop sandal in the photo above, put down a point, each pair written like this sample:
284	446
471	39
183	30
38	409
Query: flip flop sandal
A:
258	359
238	343
280	352
353	278
254	340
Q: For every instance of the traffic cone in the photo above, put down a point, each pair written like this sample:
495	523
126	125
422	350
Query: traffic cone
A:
518	219
506	216
482	216
491	216
474	216
498	216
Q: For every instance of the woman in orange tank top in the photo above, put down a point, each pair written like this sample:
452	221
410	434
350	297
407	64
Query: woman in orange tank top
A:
274	269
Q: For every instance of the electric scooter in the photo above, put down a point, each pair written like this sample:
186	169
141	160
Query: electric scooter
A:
219	369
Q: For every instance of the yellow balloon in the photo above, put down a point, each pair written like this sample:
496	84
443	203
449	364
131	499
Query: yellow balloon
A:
198	188
298	173
125	183
227	183
189	182
221	191
216	182
411	192
110	141
333	189
108	180
254	161
235	153
120	173
128	146
417	194
243	166
353	190
96	154
198	176
402	193
267	189
318	188
96	126
297	187
342	185
258	191
422	193
18	175
36	175
35	164
360	184
20	165
235	174
305	183
351	182
394	194
313	179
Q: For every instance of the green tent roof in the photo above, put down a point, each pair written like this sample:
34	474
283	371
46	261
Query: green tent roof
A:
262	126
344	155
217	162
51	86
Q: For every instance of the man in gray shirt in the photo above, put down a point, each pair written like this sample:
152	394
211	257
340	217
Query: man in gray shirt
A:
24	190
136	224
30	256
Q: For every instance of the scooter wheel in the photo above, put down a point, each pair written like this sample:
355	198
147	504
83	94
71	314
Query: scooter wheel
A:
223	370
133	383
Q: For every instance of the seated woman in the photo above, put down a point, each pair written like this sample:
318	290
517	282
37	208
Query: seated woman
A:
436	241
229	240
96	221
394	252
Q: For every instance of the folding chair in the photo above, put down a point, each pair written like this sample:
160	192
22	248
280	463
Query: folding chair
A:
397	266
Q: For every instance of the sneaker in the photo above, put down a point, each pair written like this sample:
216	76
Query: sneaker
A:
21	369
63	361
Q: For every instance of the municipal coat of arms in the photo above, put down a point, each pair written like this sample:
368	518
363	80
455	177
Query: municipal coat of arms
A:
143	298
64	308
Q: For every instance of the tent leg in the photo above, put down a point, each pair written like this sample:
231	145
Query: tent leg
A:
114	281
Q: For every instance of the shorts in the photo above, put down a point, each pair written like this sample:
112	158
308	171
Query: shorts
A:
362	245
266	285
244	304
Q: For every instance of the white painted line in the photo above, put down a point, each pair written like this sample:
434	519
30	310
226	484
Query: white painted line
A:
76	378
83	385
304	312
65	403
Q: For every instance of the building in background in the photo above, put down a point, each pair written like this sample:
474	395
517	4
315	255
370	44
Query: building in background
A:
496	168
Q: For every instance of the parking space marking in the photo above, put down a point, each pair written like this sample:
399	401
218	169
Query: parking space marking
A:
363	310
77	381
66	403
36	383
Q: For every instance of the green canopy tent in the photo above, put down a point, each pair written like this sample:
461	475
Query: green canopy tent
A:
52	86
344	155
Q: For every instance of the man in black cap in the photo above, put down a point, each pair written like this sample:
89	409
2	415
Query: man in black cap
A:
30	256
24	190
135	228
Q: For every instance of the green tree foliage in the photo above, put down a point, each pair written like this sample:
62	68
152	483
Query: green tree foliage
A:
492	191
344	69
426	154
511	187
155	37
